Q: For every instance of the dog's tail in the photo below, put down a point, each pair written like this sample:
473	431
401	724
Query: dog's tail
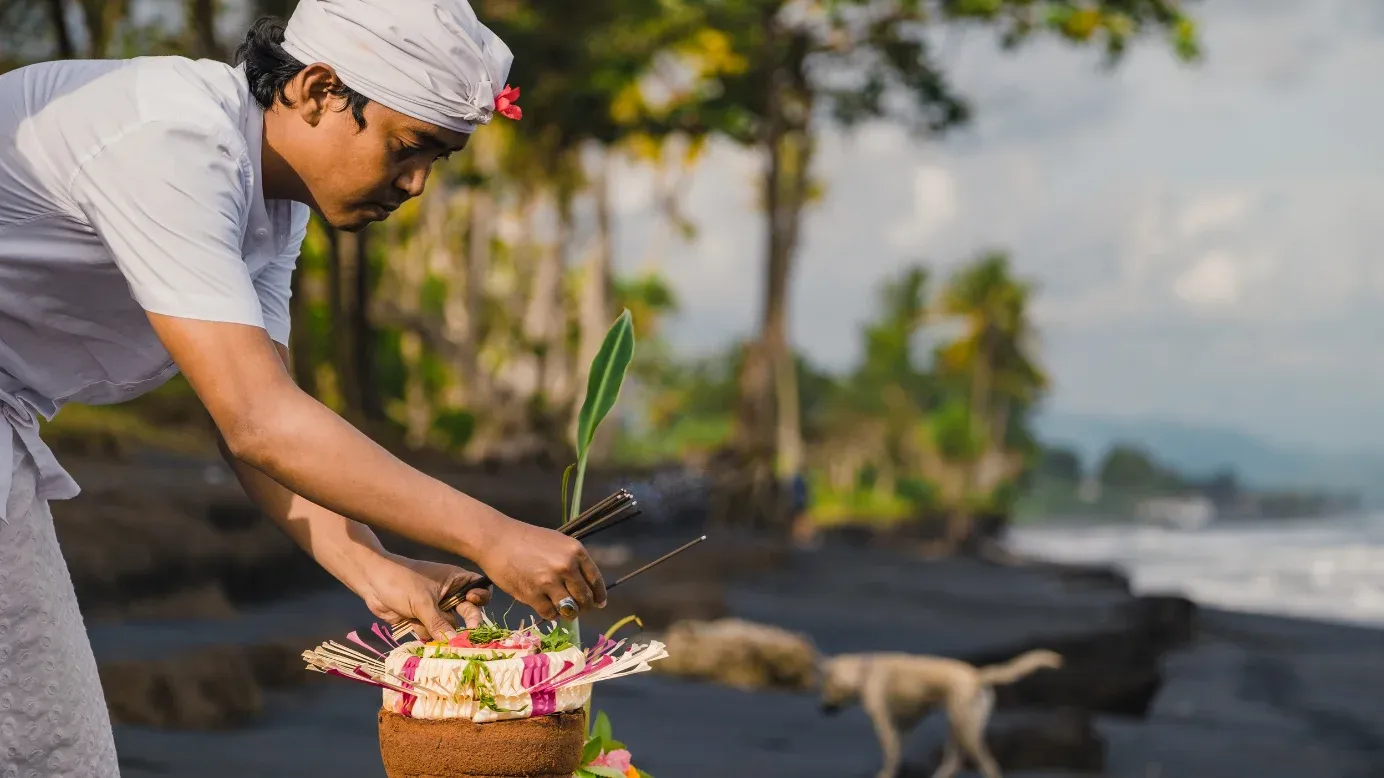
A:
1018	668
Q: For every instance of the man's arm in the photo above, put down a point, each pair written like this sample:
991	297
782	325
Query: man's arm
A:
271	426
392	587
170	204
345	548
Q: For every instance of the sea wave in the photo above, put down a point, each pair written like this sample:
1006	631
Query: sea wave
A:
1328	569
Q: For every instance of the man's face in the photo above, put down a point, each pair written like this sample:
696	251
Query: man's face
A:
352	175
357	176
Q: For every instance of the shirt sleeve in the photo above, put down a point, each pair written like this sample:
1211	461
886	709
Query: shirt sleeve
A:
274	283
170	201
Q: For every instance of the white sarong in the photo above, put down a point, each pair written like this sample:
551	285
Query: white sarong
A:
53	719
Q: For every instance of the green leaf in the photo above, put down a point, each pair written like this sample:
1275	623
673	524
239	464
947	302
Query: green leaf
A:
642	774
601	729
603	382
602	388
614	745
591	750
566	476
604	772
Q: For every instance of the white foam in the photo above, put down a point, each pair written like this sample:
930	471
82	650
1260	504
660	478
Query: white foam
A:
1330	569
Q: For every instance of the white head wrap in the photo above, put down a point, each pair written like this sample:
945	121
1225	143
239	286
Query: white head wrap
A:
429	59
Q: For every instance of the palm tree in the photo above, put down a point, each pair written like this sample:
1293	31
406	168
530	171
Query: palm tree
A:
993	363
995	353
788	81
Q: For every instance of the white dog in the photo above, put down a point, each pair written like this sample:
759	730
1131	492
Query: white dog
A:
897	690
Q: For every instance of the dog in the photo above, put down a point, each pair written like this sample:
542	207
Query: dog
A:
897	690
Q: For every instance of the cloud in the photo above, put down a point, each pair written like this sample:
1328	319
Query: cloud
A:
1213	282
1212	211
934	206
1205	240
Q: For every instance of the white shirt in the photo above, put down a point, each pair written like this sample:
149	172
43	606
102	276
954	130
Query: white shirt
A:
126	186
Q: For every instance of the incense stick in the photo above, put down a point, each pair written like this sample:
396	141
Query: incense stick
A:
658	561
619	517
609	512
602	515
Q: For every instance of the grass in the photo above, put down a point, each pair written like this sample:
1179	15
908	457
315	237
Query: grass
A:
871	507
168	419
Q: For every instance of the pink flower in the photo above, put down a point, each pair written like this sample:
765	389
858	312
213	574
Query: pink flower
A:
504	103
618	759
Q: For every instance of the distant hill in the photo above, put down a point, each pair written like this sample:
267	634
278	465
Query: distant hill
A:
1199	451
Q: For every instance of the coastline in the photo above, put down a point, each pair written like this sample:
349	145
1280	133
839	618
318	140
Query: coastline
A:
1249	694
1157	686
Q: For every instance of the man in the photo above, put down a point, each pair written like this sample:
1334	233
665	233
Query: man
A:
151	212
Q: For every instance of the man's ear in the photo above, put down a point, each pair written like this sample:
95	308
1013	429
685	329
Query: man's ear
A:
312	92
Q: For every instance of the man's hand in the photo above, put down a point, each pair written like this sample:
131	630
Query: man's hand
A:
271	426
540	567
398	588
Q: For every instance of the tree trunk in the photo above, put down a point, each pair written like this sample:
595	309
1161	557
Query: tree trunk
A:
363	333
595	306
418	408
959	524
57	17
769	419
756	430
299	337
281	9
465	311
101	17
354	344
201	15
960	521
543	319
788	431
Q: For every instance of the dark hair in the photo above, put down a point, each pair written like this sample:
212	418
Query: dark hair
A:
269	68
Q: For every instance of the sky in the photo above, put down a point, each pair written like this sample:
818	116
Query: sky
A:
1203	238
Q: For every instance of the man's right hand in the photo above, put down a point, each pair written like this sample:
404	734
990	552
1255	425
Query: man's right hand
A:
539	567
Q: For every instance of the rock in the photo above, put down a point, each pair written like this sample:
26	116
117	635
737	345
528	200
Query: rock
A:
149	553
740	654
1058	740
1115	670
213	688
202	601
207	690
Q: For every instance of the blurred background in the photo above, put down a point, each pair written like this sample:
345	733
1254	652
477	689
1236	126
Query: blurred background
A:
964	327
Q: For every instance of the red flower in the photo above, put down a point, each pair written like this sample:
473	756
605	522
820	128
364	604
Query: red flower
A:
504	103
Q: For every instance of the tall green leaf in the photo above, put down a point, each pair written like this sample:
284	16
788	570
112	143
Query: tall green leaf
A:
601	728
566	478
602	389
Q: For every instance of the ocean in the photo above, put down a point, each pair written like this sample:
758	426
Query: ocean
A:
1328	569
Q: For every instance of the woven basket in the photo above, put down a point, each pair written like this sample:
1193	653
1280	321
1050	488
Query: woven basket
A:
542	747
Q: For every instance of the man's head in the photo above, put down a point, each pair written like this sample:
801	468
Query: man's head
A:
363	97
355	159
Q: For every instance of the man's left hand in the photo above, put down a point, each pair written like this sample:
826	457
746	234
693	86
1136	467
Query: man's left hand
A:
399	588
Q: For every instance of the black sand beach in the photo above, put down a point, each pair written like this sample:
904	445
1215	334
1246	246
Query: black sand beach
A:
1168	689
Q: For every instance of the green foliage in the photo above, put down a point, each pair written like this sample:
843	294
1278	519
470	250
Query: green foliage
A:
476	675
603	382
455	427
600	741
627	74
566	478
559	638
1060	465
1129	469
606	374
859	503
